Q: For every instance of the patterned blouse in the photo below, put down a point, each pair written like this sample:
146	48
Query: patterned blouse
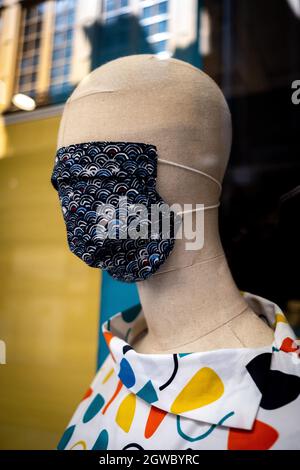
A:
244	398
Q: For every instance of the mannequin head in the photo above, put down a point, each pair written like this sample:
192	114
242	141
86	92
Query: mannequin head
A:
168	103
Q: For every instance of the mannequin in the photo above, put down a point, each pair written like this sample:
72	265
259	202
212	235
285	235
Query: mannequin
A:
191	303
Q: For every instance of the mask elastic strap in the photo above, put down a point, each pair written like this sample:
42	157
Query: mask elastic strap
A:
168	162
198	209
192	169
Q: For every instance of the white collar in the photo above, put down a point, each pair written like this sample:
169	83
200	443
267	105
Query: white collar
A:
221	387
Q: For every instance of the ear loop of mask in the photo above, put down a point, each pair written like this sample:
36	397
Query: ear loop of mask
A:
185	167
198	209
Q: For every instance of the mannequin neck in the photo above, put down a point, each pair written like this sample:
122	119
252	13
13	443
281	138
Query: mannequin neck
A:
186	301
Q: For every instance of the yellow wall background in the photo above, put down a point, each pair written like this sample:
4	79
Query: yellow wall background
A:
49	299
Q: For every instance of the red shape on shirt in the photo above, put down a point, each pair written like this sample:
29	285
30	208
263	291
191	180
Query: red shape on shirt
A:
108	336
115	394
88	393
260	437
289	345
155	417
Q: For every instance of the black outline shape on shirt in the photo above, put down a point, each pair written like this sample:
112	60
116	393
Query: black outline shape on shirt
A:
133	445
167	383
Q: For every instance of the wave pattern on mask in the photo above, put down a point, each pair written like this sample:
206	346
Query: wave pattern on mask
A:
92	175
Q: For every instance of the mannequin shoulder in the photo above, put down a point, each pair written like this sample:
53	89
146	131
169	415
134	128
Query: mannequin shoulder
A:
251	330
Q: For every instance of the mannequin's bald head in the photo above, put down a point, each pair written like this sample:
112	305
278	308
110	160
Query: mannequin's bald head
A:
165	102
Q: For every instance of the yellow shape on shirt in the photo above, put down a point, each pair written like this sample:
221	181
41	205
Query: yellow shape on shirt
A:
108	375
280	318
80	445
125	413
203	388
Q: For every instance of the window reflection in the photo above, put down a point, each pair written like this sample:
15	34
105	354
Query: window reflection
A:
62	46
30	43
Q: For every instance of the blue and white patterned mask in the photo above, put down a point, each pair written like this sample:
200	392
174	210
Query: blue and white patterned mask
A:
93	175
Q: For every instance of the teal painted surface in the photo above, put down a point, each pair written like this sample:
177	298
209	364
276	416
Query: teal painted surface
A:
116	296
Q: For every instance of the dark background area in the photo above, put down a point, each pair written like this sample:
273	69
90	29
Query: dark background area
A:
255	59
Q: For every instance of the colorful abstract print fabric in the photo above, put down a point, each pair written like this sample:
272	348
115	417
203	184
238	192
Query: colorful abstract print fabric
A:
235	399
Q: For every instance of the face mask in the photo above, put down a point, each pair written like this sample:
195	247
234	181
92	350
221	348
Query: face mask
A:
91	178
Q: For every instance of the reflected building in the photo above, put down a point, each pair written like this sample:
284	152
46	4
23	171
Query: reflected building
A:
48	46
